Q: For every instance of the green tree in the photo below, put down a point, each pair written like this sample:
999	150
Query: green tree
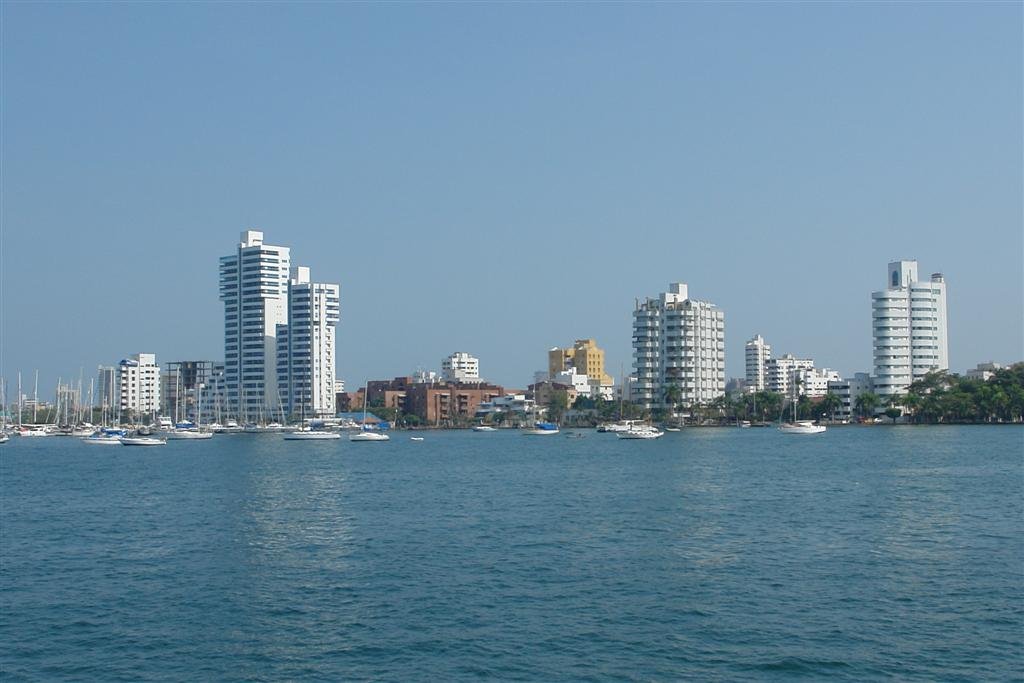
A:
893	413
672	396
829	404
558	405
866	403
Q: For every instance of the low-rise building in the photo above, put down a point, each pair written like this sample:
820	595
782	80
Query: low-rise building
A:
848	390
543	392
515	404
448	402
983	371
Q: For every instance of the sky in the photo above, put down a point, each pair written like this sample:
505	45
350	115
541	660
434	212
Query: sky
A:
505	178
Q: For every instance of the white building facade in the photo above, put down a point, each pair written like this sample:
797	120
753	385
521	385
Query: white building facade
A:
814	382
909	329
983	371
784	371
254	289
677	342
848	390
305	347
757	353
461	367
138	383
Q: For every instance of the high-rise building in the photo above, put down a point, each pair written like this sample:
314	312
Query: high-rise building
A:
254	289
138	382
678	343
585	357
108	397
758	353
461	367
183	382
305	346
909	328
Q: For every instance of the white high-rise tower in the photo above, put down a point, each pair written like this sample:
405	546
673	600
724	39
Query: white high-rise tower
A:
254	289
305	346
678	342
757	352
909	328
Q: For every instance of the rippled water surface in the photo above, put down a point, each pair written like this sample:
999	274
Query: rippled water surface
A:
712	554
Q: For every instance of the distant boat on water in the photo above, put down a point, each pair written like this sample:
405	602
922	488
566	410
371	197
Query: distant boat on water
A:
542	429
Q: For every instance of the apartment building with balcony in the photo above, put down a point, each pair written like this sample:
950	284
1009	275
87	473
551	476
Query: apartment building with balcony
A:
678	342
908	320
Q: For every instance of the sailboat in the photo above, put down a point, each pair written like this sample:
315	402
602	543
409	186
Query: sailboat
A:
800	426
363	434
306	433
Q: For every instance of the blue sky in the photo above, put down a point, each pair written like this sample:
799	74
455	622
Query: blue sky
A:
503	178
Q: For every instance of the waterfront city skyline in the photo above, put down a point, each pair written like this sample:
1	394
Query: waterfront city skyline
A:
776	183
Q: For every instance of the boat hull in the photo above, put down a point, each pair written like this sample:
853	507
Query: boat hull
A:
368	436
188	436
312	436
802	429
102	441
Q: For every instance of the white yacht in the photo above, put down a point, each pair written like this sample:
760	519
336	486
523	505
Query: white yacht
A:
35	430
542	429
801	427
311	435
186	431
364	434
641	432
142	441
484	428
368	436
615	427
105	437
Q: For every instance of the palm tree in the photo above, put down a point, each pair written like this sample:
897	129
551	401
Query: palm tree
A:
830	403
866	403
673	394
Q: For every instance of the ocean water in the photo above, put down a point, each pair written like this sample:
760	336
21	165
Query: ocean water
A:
866	553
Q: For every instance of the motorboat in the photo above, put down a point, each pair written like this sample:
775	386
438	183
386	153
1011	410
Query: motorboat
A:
34	430
230	427
614	427
105	437
673	429
142	441
4	438
641	432
542	429
801	427
311	435
367	435
191	434
415	438
484	428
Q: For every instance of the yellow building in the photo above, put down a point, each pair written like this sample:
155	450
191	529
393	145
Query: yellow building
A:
585	356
